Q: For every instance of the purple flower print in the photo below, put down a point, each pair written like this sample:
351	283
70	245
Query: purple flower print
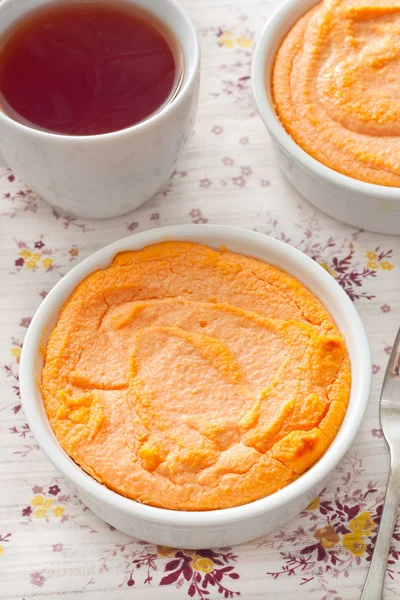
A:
244	141
375	369
246	171
132	226
205	183
228	161
197	570
377	433
217	130
197	216
25	322
39	245
27	511
239	181
37	579
19	262
54	490
57	547
385	308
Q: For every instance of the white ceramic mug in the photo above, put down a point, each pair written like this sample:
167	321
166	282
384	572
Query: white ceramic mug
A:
106	175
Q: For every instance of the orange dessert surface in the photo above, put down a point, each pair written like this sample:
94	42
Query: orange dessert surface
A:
193	379
336	87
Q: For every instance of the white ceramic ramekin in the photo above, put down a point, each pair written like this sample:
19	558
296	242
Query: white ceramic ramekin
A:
361	204
224	527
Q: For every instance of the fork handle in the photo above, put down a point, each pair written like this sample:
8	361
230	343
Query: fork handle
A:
373	588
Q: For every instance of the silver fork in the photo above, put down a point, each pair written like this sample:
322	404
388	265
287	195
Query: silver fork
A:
390	424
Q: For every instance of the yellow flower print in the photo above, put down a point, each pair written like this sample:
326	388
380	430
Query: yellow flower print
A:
58	511
371	255
354	543
363	524
199	563
1	550
373	265
37	500
244	42
25	253
36	256
16	352
227	40
43	505
165	552
387	266
314	504
47	262
31	264
327	536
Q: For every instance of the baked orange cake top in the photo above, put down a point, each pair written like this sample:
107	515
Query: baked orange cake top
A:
192	379
336	86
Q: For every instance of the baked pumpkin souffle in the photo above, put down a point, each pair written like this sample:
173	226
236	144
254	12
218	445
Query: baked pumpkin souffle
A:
194	379
336	86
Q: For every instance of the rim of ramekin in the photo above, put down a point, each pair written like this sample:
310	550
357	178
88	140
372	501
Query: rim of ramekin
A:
271	36
220	235
166	112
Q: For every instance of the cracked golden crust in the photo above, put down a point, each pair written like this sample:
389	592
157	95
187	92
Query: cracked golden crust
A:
192	379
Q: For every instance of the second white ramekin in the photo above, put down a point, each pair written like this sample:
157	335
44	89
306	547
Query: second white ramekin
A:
360	204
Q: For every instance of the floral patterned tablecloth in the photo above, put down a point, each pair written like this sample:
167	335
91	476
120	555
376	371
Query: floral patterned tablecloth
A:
51	546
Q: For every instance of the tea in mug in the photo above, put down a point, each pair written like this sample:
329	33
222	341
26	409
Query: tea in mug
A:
87	68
